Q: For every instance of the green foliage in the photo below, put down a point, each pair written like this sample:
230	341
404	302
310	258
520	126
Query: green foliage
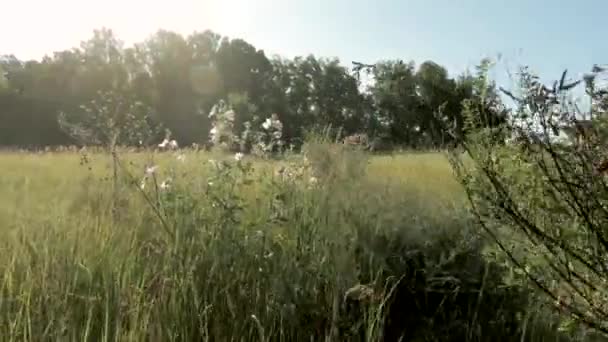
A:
111	120
541	199
182	77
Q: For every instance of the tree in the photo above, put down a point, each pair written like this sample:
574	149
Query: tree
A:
111	120
397	105
310	93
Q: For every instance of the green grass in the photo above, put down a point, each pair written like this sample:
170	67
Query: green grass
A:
249	257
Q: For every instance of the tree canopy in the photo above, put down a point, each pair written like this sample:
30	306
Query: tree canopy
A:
179	79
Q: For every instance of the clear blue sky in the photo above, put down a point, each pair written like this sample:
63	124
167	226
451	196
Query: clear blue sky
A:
547	35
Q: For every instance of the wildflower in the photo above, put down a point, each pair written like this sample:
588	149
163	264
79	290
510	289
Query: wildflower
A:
589	76
276	123
150	170
230	115
164	143
142	184
166	184
277	135
239	156
173	145
313	181
181	157
263	146
267	124
214	134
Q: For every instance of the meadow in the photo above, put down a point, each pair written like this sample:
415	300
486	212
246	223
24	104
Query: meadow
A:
337	245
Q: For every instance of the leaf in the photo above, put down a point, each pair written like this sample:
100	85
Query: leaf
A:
563	79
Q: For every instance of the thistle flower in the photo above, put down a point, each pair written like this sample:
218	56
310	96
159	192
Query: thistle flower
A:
164	144
172	144
230	115
166	184
150	170
214	134
589	76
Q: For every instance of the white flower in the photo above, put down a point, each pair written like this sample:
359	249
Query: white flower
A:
150	170
142	184
313	180
140	143
173	144
238	157
589	76
165	185
181	157
277	135
164	143
267	124
214	134
230	115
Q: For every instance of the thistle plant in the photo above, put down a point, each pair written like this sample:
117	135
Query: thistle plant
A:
260	138
270	137
221	134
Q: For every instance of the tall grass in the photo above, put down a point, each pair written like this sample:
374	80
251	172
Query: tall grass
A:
374	249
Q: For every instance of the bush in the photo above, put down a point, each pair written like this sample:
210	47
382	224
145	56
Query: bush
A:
541	198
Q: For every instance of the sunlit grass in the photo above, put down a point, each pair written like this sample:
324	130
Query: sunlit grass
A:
260	260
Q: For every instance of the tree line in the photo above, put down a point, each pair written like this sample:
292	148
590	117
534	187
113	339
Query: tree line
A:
175	81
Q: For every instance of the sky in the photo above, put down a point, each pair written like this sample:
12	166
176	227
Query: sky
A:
546	35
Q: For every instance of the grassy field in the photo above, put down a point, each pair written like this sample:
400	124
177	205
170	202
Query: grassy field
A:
341	246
